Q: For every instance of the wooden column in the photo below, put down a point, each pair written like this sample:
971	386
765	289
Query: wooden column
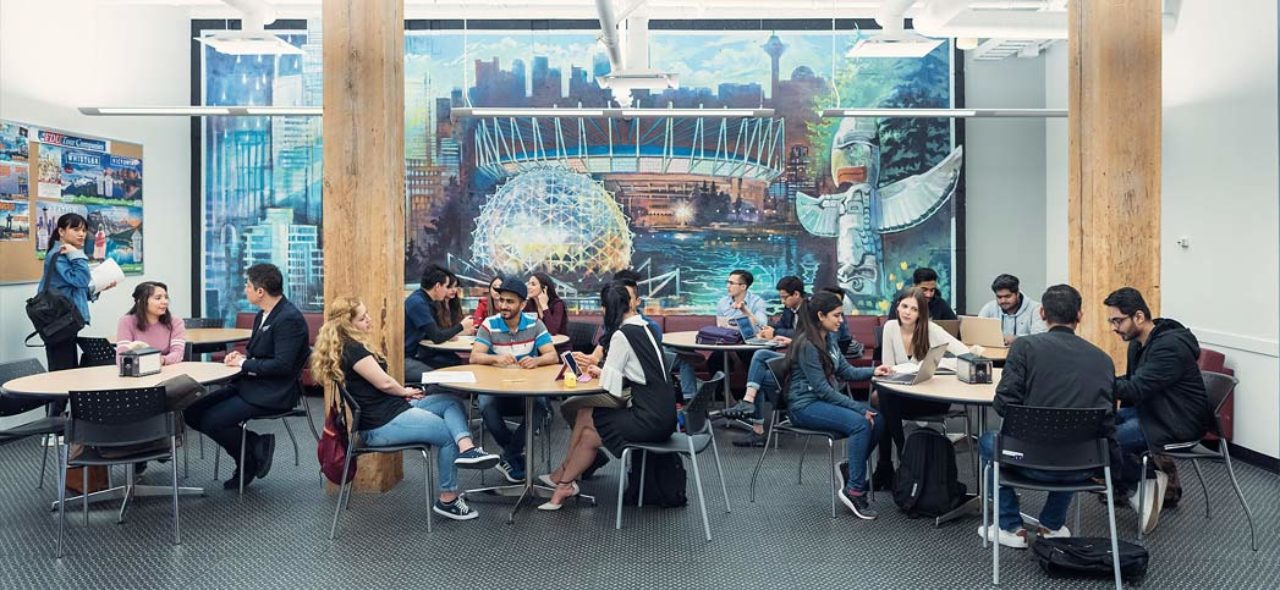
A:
364	181
1113	198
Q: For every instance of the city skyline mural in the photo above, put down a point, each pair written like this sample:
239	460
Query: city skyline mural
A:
854	202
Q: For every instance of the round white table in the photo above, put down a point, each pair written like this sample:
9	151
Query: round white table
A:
947	388
204	340
530	384
688	341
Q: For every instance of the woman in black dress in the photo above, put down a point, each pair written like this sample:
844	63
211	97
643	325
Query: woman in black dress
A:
634	373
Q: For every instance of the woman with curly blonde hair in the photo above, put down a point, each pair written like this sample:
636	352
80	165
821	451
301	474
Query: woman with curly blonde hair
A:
390	413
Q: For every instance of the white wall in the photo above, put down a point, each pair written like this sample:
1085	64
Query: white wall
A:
1004	179
1219	188
56	55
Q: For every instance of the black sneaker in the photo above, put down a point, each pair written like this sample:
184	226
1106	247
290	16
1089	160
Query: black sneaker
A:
263	450
751	440
456	510
739	411
859	505
842	473
476	458
510	472
234	482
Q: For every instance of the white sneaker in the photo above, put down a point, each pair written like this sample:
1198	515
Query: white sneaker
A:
1011	539
1045	533
1153	492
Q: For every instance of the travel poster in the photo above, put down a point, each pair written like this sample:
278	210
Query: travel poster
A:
82	174
47	214
49	172
15	220
115	233
13	142
14	182
122	179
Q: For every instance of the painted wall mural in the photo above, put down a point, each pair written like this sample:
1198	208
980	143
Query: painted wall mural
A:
859	202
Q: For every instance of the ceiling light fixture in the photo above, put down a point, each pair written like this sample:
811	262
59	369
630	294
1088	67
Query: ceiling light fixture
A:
612	113
202	111
950	113
896	45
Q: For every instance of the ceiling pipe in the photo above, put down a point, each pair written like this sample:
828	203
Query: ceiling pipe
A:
892	16
609	34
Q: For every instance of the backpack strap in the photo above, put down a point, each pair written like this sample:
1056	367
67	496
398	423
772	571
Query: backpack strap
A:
27	341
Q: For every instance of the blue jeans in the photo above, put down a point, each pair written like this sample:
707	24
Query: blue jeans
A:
852	423
437	420
760	378
1054	513
1129	432
494	408
715	362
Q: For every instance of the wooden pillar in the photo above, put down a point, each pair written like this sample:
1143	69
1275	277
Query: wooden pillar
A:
364	181
1113	198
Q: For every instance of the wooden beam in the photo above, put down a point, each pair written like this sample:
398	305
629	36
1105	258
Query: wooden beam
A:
1113	196
364	181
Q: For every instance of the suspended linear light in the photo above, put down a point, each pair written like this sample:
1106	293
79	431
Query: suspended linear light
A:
611	113
950	113
202	111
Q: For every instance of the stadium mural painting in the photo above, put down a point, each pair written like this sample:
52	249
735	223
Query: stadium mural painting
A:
855	202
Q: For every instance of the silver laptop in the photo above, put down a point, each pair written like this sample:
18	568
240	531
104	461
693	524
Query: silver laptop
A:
985	332
927	367
749	334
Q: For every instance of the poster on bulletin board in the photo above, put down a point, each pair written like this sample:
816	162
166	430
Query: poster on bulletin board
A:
45	174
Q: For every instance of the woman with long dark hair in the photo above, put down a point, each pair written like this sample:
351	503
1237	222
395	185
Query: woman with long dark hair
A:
640	405
545	304
488	304
66	271
906	340
149	323
816	365
449	310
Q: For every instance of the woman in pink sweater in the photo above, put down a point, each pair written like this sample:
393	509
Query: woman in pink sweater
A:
150	323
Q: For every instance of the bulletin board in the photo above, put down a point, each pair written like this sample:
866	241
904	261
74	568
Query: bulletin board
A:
46	173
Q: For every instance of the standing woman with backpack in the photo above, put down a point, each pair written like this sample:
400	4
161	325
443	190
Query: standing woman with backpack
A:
813	401
66	272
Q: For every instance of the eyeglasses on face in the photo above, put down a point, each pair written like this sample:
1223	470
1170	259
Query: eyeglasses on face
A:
1116	322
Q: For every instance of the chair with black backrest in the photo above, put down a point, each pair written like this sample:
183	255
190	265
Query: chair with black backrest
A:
780	423
1219	387
300	410
10	406
96	352
582	336
1050	439
112	419
698	437
356	446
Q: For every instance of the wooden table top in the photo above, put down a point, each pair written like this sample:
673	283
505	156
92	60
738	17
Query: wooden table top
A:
463	343
689	341
995	354
217	335
519	382
947	388
58	383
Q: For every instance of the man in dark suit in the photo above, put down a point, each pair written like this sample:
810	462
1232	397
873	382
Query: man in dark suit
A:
268	380
1055	369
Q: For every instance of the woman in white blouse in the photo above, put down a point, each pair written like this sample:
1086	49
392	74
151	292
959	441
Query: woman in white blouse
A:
640	405
906	340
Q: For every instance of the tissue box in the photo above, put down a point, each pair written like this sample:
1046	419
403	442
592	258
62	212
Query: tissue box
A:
971	368
140	363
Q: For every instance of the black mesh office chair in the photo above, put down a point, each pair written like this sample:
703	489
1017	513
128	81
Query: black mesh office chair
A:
1219	387
356	446
1049	439
12	406
101	420
96	352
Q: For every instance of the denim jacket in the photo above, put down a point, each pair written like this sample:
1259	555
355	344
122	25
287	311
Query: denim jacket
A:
69	276
809	383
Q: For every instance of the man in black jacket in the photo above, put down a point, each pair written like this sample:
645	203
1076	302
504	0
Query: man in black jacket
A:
791	292
1055	369
1162	390
927	279
268	380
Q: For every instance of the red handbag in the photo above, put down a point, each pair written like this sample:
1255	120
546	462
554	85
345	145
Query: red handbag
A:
332	450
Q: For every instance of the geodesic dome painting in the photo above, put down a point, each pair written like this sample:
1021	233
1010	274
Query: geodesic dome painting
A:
555	220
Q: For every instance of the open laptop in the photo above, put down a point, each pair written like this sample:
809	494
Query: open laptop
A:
928	365
749	334
985	332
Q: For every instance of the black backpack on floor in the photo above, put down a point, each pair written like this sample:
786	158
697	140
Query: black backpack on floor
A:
1089	557
926	483
664	481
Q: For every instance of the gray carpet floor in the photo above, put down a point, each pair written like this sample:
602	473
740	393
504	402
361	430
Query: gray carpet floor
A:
277	535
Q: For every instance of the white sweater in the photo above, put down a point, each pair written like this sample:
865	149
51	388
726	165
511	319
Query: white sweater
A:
894	352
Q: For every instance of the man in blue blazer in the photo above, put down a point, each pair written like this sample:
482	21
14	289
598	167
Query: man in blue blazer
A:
268	380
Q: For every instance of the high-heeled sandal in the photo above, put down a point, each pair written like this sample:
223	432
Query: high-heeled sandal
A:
552	506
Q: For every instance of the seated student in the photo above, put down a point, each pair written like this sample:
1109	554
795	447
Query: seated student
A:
633	365
424	320
268	380
814	402
545	305
1019	315
511	338
1056	369
791	292
739	302
149	323
1162	392
926	279
390	413
487	305
449	312
906	340
629	279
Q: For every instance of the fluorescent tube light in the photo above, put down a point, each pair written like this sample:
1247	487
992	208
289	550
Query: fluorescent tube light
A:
201	111
950	113
465	112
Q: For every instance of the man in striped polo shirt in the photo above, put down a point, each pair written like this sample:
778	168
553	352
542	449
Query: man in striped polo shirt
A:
511	339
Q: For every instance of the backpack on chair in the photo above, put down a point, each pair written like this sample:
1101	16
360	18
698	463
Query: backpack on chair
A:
926	483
